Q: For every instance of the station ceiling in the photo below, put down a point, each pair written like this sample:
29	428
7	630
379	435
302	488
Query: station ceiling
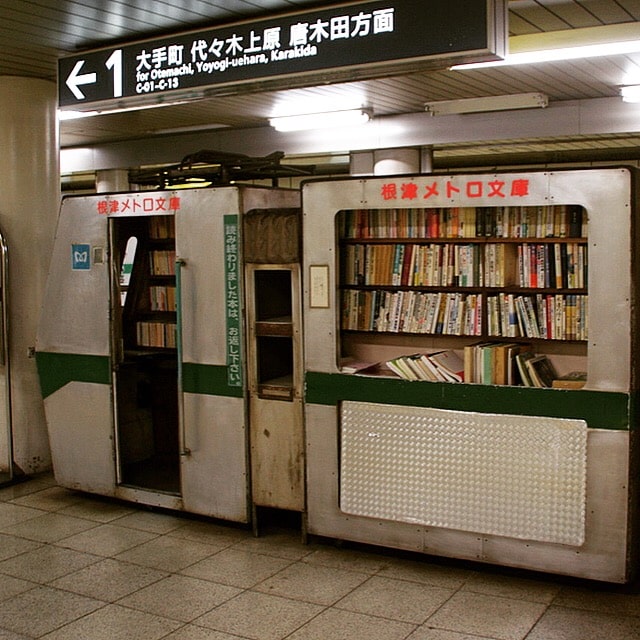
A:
34	34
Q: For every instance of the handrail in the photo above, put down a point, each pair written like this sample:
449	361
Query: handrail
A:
4	346
184	450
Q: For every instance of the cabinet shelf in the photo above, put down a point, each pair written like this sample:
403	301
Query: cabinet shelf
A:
275	327
523	278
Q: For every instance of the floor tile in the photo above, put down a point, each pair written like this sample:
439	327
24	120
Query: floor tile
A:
12	514
46	563
155	522
259	616
572	624
10	635
109	579
11	546
320	585
180	597
106	540
333	624
474	613
209	533
237	568
603	600
97	510
351	560
281	545
49	527
427	633
426	573
13	491
10	587
49	499
115	623
395	599
44	609
512	587
167	554
191	632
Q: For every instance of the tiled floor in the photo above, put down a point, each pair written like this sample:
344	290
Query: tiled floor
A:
77	567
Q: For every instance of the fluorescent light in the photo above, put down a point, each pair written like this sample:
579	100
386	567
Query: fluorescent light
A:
630	93
568	44
487	103
323	120
71	114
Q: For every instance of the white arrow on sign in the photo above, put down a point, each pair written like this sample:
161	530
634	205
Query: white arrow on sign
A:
75	80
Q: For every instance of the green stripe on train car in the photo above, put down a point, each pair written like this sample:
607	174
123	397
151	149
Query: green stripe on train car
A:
600	409
208	379
55	370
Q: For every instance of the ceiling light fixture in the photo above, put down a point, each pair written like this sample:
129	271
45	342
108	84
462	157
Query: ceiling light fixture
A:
487	103
323	120
568	44
630	93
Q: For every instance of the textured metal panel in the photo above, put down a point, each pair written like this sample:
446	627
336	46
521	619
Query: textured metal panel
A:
603	556
516	476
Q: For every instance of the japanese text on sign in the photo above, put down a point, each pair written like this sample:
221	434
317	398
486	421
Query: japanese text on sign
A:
132	205
233	309
161	68
470	188
365	35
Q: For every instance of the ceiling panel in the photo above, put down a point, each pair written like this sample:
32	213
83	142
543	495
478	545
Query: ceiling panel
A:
35	33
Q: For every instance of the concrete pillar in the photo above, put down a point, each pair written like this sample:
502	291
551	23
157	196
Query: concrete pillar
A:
389	162
30	188
112	180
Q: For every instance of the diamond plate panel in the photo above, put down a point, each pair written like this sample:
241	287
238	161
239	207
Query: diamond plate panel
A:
507	475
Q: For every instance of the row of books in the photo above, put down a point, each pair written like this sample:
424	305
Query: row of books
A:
508	364
429	265
412	312
156	334
490	363
441	366
162	298
547	317
550	317
563	266
465	265
162	227
162	262
550	221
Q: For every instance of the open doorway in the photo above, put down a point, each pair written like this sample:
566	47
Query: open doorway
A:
145	363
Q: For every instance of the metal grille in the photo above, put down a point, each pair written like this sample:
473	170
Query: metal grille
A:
507	475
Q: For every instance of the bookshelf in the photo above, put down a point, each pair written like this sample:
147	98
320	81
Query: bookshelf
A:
506	273
153	309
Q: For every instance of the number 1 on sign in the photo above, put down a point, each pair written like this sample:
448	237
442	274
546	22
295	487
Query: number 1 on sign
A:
114	63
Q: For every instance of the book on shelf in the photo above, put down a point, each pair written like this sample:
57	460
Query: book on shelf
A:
525	375
572	380
541	371
536	370
449	363
356	366
441	366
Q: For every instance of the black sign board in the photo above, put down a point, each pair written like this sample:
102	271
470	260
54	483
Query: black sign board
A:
364	38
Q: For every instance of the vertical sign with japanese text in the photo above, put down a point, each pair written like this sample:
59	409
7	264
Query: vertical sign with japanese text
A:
232	301
370	37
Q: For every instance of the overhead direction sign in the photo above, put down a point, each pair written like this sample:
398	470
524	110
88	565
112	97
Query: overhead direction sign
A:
357	40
